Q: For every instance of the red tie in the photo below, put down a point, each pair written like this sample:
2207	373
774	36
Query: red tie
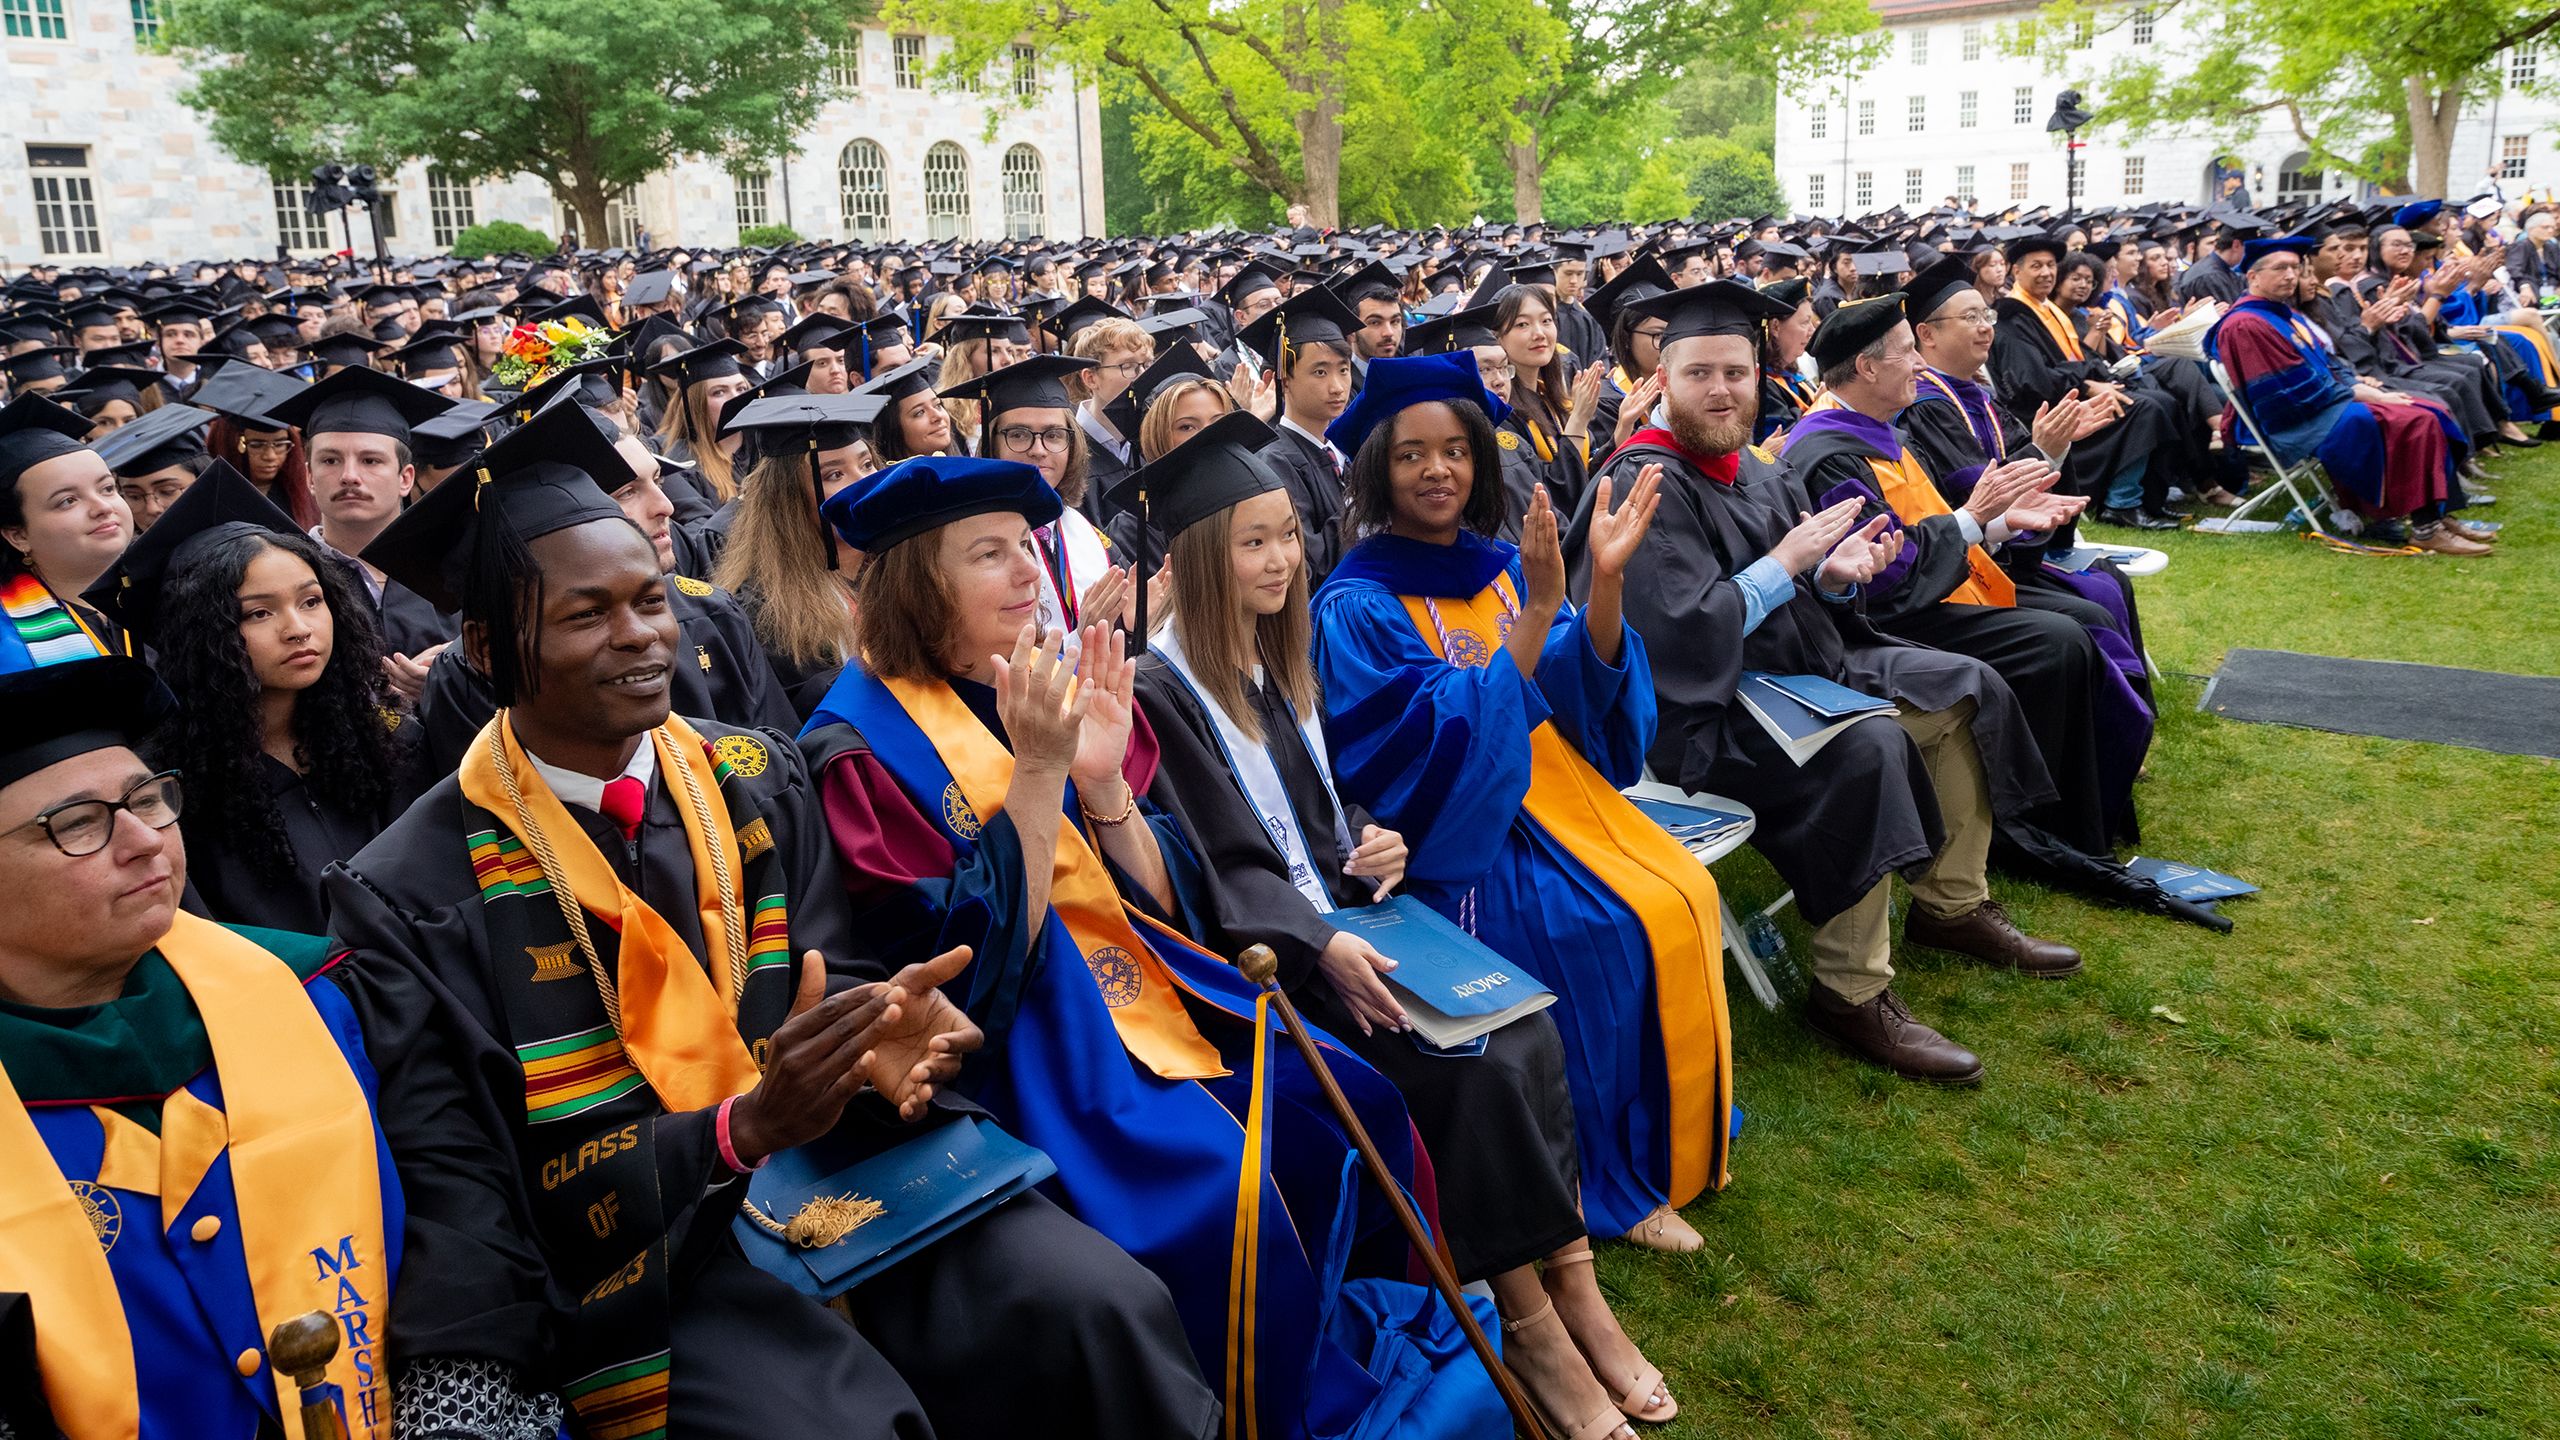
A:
625	800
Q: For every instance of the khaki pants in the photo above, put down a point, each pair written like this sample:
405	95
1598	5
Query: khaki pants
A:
1853	951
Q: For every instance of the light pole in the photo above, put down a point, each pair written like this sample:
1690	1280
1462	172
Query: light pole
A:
2068	117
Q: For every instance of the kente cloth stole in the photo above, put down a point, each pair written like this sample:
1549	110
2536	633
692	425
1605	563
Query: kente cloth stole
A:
1139	988
304	1176
1671	895
623	1026
2056	324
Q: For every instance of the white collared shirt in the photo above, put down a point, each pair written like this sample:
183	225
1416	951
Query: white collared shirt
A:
1341	465
586	791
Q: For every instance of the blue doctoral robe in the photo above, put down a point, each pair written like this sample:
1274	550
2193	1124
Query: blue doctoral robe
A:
1441	753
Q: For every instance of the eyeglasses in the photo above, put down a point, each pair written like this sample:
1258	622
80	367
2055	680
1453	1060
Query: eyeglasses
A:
82	827
1651	332
1980	319
265	447
1023	437
1126	369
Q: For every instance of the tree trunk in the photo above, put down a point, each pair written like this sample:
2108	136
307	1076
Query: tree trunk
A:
1319	117
1528	179
2432	114
586	198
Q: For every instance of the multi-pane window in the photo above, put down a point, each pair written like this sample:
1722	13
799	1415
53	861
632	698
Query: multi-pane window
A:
66	200
146	20
2022	107
297	226
1821	122
1919	47
1964	182
1816	193
1918	119
2083	31
1866	117
451	207
753	190
844	61
1912	193
2145	26
946	192
2304	183
2513	150
1026	194
34	20
862	190
1862	189
1972	43
1968	108
2134	177
2523	63
2018	180
1026	73
906	61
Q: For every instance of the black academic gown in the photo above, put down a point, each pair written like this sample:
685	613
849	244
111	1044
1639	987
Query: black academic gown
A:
720	672
1861	808
1585	343
1315	487
2211	277
410	622
2404	354
322	833
1024	1321
1533	454
803	686
2029	370
1499	1126
2047	657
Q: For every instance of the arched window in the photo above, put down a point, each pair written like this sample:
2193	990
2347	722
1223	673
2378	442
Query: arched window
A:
946	192
862	185
1026	194
2299	181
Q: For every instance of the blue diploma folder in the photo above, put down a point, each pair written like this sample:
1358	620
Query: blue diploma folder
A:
1803	712
928	1187
1454	988
2189	882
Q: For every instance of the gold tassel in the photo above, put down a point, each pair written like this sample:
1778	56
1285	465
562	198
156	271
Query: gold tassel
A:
823	1221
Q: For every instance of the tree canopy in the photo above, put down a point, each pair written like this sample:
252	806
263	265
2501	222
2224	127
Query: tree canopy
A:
589	98
2333	69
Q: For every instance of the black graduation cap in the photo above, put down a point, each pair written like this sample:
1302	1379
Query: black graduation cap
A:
898	384
89	315
653	287
349	350
1853	327
53	713
220	504
452	437
2034	242
1890	260
886	328
1930	290
157	441
1791	293
1313	316
819	330
1718	307
360	402
135	356
33	430
800	424
102	383
982	322
1645	277
556	471
1219	466
1256	277
44	363
1038	383
247	394
1459	329
688	368
1087	311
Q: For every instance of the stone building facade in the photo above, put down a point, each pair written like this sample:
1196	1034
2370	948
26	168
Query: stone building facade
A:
101	163
1945	110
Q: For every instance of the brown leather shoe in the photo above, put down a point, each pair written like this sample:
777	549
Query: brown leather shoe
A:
1986	933
2470	532
2443	541
1883	1032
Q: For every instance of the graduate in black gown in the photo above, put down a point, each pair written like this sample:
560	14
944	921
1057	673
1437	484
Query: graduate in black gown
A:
64	522
1730	578
1946	590
1306	342
293	760
586	1043
1242	767
1784	392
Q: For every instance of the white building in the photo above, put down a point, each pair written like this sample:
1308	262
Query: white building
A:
101	163
1944	111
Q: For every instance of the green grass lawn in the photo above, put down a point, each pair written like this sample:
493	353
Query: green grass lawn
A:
2293	1181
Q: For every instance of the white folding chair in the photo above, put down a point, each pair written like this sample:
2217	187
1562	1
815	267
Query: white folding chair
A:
2300	482
1736	947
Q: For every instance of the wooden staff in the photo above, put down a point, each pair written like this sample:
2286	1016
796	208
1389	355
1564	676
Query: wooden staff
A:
302	1347
1262	966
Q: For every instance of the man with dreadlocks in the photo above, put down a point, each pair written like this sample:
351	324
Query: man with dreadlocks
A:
611	975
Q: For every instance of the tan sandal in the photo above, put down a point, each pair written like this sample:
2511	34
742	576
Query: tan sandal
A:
1599	1427
1637	1403
1664	1230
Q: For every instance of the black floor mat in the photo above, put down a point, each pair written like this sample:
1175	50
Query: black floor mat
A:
2481	709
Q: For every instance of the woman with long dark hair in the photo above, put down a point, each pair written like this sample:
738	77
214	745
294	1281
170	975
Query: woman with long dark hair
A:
291	757
1551	409
916	422
1784	391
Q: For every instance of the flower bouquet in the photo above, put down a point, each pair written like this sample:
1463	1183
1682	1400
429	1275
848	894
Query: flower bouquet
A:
533	353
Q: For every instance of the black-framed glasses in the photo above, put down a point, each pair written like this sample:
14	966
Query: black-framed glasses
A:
82	827
1023	437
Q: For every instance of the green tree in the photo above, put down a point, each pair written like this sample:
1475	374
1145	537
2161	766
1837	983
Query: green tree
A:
2331	68
499	237
589	98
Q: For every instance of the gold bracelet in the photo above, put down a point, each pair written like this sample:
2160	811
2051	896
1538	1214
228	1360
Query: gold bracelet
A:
1126	811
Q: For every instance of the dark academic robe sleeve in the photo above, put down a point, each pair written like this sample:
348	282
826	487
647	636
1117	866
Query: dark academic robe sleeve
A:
2027	368
410	623
1317	492
235	891
1934	559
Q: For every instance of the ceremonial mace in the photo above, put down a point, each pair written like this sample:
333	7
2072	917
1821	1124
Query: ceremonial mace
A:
302	1347
1262	966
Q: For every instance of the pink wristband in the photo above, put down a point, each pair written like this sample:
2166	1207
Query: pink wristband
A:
728	1151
